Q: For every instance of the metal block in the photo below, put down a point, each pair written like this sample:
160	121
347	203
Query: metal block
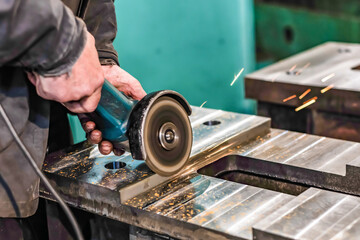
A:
299	158
315	214
330	64
194	206
214	132
226	207
85	179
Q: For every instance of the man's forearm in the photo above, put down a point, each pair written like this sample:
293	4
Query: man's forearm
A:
40	35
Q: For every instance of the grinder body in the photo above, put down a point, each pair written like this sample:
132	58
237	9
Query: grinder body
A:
112	115
155	129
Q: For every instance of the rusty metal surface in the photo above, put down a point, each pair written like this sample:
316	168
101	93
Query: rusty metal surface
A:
306	70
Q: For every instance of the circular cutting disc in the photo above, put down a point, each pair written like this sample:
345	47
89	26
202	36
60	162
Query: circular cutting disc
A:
167	136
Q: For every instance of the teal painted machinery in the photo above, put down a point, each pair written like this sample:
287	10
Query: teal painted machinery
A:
194	47
284	28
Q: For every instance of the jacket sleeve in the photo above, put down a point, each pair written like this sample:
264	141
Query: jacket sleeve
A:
43	36
100	20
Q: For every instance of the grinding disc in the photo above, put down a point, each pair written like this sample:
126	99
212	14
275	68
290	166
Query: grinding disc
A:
167	136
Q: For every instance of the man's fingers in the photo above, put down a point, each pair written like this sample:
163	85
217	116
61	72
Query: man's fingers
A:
118	152
89	126
95	137
105	147
137	93
86	104
86	122
123	81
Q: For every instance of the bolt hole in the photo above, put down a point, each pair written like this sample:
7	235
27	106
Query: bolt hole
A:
289	34
212	123
293	73
115	165
344	50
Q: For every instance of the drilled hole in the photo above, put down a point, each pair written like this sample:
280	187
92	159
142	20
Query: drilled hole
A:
115	165
289	34
344	50
293	73
212	123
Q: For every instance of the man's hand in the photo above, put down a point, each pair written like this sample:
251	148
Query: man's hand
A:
79	90
124	82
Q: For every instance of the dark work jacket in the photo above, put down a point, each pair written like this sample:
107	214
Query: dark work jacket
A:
43	36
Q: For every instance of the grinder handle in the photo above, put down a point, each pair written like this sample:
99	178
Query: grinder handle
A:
112	113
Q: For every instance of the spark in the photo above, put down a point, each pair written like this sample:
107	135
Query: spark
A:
203	104
328	77
289	98
237	76
314	98
292	68
324	90
305	93
303	68
305	105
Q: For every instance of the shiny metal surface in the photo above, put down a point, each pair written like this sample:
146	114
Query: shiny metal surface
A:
329	64
315	214
168	136
85	179
86	165
299	158
211	203
194	206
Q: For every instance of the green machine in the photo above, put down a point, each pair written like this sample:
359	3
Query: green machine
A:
194	47
284	28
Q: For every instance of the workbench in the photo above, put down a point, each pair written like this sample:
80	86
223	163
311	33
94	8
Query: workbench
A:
244	180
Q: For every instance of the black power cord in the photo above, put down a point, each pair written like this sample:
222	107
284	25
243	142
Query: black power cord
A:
32	162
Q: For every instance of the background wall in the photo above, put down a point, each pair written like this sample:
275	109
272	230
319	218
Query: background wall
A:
192	46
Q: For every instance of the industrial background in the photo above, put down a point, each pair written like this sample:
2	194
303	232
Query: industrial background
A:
196	47
275	154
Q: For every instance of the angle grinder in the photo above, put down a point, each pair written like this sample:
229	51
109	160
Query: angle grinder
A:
156	129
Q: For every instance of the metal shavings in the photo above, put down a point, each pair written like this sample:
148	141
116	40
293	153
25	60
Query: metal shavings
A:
328	77
203	104
324	90
304	94
305	105
289	98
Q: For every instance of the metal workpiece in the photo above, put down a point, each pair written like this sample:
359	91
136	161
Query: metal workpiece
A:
212	204
110	185
315	214
200	203
215	133
299	158
332	65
